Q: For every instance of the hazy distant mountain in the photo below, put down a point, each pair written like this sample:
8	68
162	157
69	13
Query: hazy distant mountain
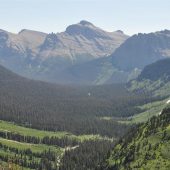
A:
98	71
141	50
37	54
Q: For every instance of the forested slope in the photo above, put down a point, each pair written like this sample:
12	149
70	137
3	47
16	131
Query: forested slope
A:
145	147
155	79
54	107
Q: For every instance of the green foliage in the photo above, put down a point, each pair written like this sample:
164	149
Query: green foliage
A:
157	70
145	147
159	88
155	79
89	155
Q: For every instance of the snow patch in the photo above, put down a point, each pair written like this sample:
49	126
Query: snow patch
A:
168	102
160	113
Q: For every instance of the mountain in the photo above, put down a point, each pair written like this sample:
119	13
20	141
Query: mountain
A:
154	79
39	55
17	51
126	62
141	50
144	147
82	54
81	42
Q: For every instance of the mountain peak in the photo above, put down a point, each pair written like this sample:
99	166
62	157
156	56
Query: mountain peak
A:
84	28
120	31
86	23
24	31
27	31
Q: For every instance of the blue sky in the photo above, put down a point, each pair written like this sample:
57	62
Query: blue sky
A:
131	16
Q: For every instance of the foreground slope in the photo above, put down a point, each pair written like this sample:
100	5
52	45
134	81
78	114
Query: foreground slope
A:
145	147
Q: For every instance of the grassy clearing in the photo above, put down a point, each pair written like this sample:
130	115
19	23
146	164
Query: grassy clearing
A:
150	110
11	127
33	147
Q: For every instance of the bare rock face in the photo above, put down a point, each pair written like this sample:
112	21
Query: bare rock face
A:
81	42
19	44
